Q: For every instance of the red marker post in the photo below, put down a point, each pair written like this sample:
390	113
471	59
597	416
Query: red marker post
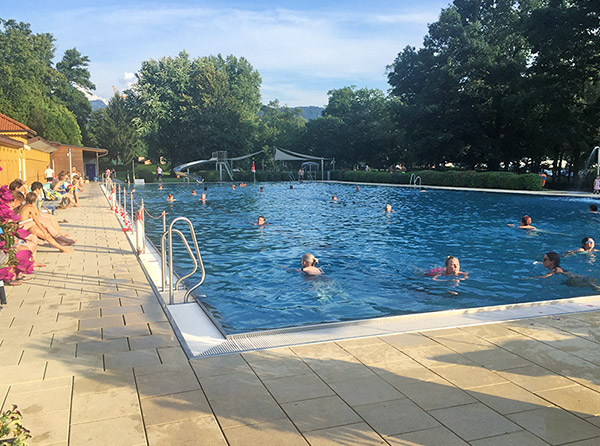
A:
254	171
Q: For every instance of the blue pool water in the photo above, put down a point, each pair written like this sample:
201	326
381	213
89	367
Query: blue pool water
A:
373	262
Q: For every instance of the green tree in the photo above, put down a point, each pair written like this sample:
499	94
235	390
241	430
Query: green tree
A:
460	94
112	128
186	109
356	127
282	126
72	85
28	82
564	78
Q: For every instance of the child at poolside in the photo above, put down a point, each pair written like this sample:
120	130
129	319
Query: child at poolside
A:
597	185
308	263
452	268
525	223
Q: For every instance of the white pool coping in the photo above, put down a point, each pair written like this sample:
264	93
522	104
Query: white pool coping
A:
200	337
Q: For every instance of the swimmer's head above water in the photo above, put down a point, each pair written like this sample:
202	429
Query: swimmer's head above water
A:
308	263
452	266
551	260
588	243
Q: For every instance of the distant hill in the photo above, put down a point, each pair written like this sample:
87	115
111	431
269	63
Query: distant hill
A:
311	112
97	104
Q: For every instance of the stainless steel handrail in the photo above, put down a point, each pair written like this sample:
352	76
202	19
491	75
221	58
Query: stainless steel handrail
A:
169	232
414	180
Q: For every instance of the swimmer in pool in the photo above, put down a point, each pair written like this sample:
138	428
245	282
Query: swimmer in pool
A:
160	187
291	187
170	198
334	198
308	263
525	223
552	262
357	188
203	198
193	192
587	245
594	209
233	187
452	269
261	189
261	221
388	209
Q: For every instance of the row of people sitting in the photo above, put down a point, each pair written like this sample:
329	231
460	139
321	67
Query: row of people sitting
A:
38	219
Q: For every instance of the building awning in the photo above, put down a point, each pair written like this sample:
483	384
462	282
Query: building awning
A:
83	148
40	144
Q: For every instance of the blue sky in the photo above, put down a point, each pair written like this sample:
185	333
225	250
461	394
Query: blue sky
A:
301	49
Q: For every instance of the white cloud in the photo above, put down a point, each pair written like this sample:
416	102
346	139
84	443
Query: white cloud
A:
296	49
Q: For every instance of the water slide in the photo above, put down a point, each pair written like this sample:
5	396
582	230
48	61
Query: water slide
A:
179	169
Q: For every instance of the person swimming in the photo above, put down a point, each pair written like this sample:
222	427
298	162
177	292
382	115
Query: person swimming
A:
193	192
552	262
170	198
334	198
451	269
261	189
594	209
308	263
388	209
525	223
587	245
233	187
261	221
203	198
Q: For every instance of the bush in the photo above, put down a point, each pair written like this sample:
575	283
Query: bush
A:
452	178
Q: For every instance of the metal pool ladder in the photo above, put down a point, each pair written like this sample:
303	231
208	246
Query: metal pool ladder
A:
169	233
415	180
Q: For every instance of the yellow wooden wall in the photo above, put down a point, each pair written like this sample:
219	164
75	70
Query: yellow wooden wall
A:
9	161
35	164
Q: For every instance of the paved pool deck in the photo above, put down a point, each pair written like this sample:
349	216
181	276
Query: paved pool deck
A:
88	355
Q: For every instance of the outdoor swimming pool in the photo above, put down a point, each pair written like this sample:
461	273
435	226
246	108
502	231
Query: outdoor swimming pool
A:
373	261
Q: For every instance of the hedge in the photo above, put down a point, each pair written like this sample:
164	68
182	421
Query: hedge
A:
453	178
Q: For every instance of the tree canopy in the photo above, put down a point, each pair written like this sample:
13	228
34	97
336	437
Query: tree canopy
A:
499	82
186	109
32	90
